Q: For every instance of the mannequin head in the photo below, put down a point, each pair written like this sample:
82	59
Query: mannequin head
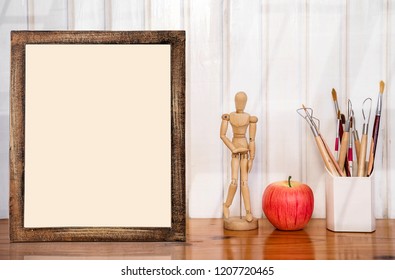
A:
240	101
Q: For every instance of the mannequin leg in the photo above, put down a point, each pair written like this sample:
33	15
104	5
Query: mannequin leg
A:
233	184
244	186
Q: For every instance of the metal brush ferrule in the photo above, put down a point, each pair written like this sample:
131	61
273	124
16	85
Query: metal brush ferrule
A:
365	128
355	132
379	106
347	126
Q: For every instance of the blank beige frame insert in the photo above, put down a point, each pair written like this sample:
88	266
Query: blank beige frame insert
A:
97	136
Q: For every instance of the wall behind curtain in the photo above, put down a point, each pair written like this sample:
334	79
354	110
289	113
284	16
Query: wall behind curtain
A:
281	52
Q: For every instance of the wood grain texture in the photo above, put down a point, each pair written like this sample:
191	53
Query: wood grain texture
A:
17	137
207	240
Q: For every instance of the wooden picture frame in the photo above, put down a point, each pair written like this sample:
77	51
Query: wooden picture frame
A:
48	103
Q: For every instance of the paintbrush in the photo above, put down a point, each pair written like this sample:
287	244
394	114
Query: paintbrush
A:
337	139
334	97
365	128
338	122
350	150
341	131
357	142
339	135
375	133
326	155
332	158
344	146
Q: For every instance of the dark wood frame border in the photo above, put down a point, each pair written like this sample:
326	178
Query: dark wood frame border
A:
176	232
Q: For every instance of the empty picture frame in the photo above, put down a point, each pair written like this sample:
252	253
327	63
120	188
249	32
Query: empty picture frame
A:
97	121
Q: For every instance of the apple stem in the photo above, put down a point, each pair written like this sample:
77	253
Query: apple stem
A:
289	181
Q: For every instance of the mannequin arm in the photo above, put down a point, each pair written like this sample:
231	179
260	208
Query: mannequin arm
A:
224	129
251	145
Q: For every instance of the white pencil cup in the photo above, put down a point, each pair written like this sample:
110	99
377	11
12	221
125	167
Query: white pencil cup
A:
350	204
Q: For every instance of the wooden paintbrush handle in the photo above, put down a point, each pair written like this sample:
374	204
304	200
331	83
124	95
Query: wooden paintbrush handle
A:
333	160
341	130
343	149
325	157
371	157
357	147
362	156
373	145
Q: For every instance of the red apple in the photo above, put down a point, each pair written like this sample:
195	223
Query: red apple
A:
288	205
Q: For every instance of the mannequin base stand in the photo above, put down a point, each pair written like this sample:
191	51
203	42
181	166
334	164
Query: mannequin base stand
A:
237	223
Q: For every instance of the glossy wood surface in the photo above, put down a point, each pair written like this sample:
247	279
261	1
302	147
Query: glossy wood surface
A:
207	240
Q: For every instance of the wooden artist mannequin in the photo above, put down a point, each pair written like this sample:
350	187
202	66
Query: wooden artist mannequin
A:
243	154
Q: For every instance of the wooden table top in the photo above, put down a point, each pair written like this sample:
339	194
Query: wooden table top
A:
207	240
